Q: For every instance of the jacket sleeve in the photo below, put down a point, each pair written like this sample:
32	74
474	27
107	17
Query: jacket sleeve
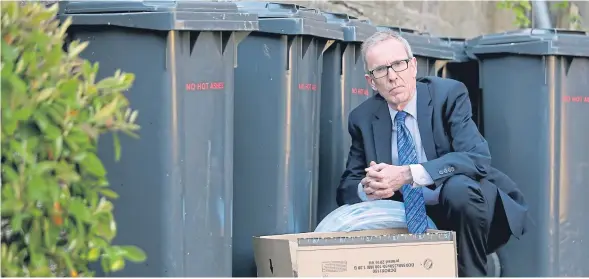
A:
347	191
470	154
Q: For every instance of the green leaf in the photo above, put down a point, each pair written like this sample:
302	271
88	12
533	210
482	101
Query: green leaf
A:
106	227
117	265
87	69
133	254
98	242
9	174
37	189
45	94
106	111
93	254
107	83
69	87
45	167
77	139
104	206
78	157
93	165
41	17
109	193
18	85
58	147
24	113
68	262
79	210
37	256
117	146
51	234
105	264
9	125
16	222
11	206
46	125
66	172
76	48
9	53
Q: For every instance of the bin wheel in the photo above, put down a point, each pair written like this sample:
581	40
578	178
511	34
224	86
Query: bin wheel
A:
493	265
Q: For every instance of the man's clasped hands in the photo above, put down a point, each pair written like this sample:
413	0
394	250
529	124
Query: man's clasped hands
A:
382	180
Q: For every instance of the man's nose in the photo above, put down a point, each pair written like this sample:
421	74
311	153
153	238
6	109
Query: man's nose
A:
392	74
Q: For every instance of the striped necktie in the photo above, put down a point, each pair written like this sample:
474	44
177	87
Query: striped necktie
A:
413	197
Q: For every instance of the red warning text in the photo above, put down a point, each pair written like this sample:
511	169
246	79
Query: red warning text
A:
308	86
575	99
199	86
360	91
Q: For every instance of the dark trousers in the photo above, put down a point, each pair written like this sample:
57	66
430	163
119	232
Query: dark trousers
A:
478	218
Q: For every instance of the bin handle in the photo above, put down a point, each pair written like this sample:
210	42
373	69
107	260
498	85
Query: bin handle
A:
401	30
450	39
558	31
306	9
287	5
425	33
294	7
346	17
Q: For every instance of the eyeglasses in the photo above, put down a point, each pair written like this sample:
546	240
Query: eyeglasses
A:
397	66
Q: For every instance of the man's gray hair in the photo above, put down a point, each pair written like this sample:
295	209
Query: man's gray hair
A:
381	36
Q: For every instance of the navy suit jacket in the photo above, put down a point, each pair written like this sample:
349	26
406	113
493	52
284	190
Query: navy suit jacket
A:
451	139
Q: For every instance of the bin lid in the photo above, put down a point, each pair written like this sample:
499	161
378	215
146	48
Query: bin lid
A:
291	19
160	15
355	29
531	41
424	44
82	7
458	45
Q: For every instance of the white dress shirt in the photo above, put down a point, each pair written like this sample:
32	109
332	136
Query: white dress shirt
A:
418	172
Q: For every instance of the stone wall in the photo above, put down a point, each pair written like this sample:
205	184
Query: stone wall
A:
462	19
443	18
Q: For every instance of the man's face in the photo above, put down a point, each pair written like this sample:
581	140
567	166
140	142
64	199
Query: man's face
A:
397	83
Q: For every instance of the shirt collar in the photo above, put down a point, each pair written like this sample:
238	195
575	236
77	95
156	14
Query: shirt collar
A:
411	108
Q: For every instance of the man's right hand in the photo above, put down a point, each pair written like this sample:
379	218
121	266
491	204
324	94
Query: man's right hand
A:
373	192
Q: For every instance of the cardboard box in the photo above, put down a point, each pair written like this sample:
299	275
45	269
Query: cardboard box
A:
372	253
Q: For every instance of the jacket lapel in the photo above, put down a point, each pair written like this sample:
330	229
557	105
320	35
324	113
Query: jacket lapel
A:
424	120
382	127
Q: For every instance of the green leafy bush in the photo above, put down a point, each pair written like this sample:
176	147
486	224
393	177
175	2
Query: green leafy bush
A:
521	9
56	210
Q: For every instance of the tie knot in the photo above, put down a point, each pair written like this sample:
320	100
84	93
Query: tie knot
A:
400	117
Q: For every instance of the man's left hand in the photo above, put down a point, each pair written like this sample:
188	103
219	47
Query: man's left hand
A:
384	176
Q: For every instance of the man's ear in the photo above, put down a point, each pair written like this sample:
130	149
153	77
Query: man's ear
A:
370	81
414	66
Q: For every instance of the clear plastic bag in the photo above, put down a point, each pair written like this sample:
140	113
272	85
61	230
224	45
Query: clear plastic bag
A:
370	215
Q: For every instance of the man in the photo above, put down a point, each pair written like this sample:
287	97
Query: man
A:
415	142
